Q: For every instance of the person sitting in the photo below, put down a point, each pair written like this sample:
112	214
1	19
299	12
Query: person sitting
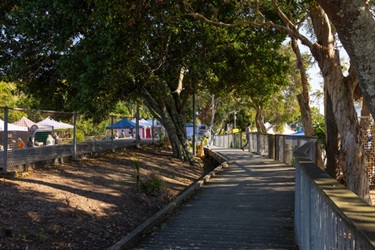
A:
122	135
55	138
20	143
50	140
29	143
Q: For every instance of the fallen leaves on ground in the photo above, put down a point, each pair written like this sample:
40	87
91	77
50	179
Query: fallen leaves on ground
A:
89	204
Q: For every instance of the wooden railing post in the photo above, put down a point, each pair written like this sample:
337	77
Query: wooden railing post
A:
5	140
75	136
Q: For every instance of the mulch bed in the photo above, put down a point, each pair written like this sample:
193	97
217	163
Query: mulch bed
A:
90	204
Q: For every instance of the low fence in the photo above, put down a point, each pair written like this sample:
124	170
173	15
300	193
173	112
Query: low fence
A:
18	125
20	159
277	147
327	215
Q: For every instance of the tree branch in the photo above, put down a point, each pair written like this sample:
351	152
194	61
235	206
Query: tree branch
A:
264	24
180	80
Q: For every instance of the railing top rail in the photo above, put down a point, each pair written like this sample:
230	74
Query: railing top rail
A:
287	135
352	210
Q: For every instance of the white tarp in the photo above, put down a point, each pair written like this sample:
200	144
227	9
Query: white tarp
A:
156	123
269	127
12	127
25	122
143	123
55	124
286	131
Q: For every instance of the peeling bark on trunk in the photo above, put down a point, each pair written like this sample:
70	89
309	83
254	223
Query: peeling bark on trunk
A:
365	121
365	125
332	137
352	152
355	24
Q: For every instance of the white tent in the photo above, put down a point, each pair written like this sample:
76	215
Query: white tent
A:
55	124
25	122
143	123
145	130
156	123
286	131
12	127
269	127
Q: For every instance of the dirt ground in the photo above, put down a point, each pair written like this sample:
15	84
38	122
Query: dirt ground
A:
92	203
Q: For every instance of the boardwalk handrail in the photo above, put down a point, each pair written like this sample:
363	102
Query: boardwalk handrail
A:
327	215
274	146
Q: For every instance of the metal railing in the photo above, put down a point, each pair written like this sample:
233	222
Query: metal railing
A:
277	147
327	215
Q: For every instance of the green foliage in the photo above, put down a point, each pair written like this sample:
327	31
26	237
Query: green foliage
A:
41	235
15	115
320	132
80	136
316	116
128	109
152	184
283	107
121	109
8	95
88	127
76	62
203	138
90	56
137	169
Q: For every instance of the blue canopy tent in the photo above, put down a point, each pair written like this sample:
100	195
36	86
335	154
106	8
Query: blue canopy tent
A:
301	132
126	126
124	123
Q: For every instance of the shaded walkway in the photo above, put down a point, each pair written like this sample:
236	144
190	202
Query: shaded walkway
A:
247	206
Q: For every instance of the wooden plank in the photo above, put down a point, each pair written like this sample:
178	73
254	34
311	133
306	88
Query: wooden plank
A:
249	205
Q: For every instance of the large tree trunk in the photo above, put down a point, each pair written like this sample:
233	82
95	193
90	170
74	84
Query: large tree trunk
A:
332	137
304	97
166	110
212	112
352	151
355	24
259	120
304	100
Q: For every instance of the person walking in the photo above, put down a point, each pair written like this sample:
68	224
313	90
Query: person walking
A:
247	133
208	136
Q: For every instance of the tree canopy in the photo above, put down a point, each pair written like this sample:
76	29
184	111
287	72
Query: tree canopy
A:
87	56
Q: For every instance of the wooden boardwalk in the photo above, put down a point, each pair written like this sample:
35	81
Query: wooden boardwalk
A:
247	206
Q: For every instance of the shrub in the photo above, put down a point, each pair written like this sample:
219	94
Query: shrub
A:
152	186
80	137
